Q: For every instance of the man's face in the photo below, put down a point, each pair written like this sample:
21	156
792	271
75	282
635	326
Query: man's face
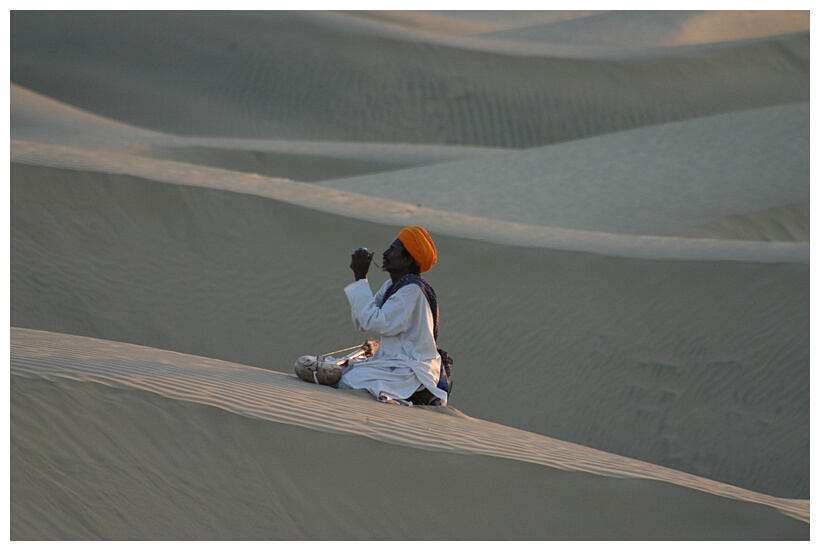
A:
395	257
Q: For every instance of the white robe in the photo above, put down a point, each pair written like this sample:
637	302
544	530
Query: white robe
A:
407	357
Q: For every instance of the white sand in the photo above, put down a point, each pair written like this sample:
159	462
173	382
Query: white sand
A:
623	231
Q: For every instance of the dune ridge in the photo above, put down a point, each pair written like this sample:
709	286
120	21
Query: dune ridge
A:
599	183
41	119
622	31
381	88
230	477
572	34
386	211
621	205
553	177
278	398
136	260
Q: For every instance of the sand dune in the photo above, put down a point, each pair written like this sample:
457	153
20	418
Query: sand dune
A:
138	260
623	232
677	175
39	119
636	30
280	431
312	76
750	161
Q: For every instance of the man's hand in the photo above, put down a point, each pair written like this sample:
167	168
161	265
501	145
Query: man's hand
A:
360	263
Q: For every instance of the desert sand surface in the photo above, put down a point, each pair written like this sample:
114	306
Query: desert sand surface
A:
620	202
289	454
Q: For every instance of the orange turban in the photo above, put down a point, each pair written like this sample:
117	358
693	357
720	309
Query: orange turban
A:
420	245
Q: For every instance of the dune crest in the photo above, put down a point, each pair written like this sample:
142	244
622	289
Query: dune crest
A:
386	211
621	205
275	398
331	79
716	26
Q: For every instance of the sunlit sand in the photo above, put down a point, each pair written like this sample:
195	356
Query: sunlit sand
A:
620	202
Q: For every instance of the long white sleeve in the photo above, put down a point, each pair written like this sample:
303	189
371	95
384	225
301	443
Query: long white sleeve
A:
392	318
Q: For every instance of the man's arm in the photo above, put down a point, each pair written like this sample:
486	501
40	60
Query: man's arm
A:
392	318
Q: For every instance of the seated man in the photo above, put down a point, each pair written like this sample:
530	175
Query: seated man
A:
407	366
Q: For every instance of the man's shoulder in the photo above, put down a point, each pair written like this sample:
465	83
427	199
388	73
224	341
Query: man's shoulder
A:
411	291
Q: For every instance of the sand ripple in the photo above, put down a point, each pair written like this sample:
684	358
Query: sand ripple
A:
622	210
279	398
